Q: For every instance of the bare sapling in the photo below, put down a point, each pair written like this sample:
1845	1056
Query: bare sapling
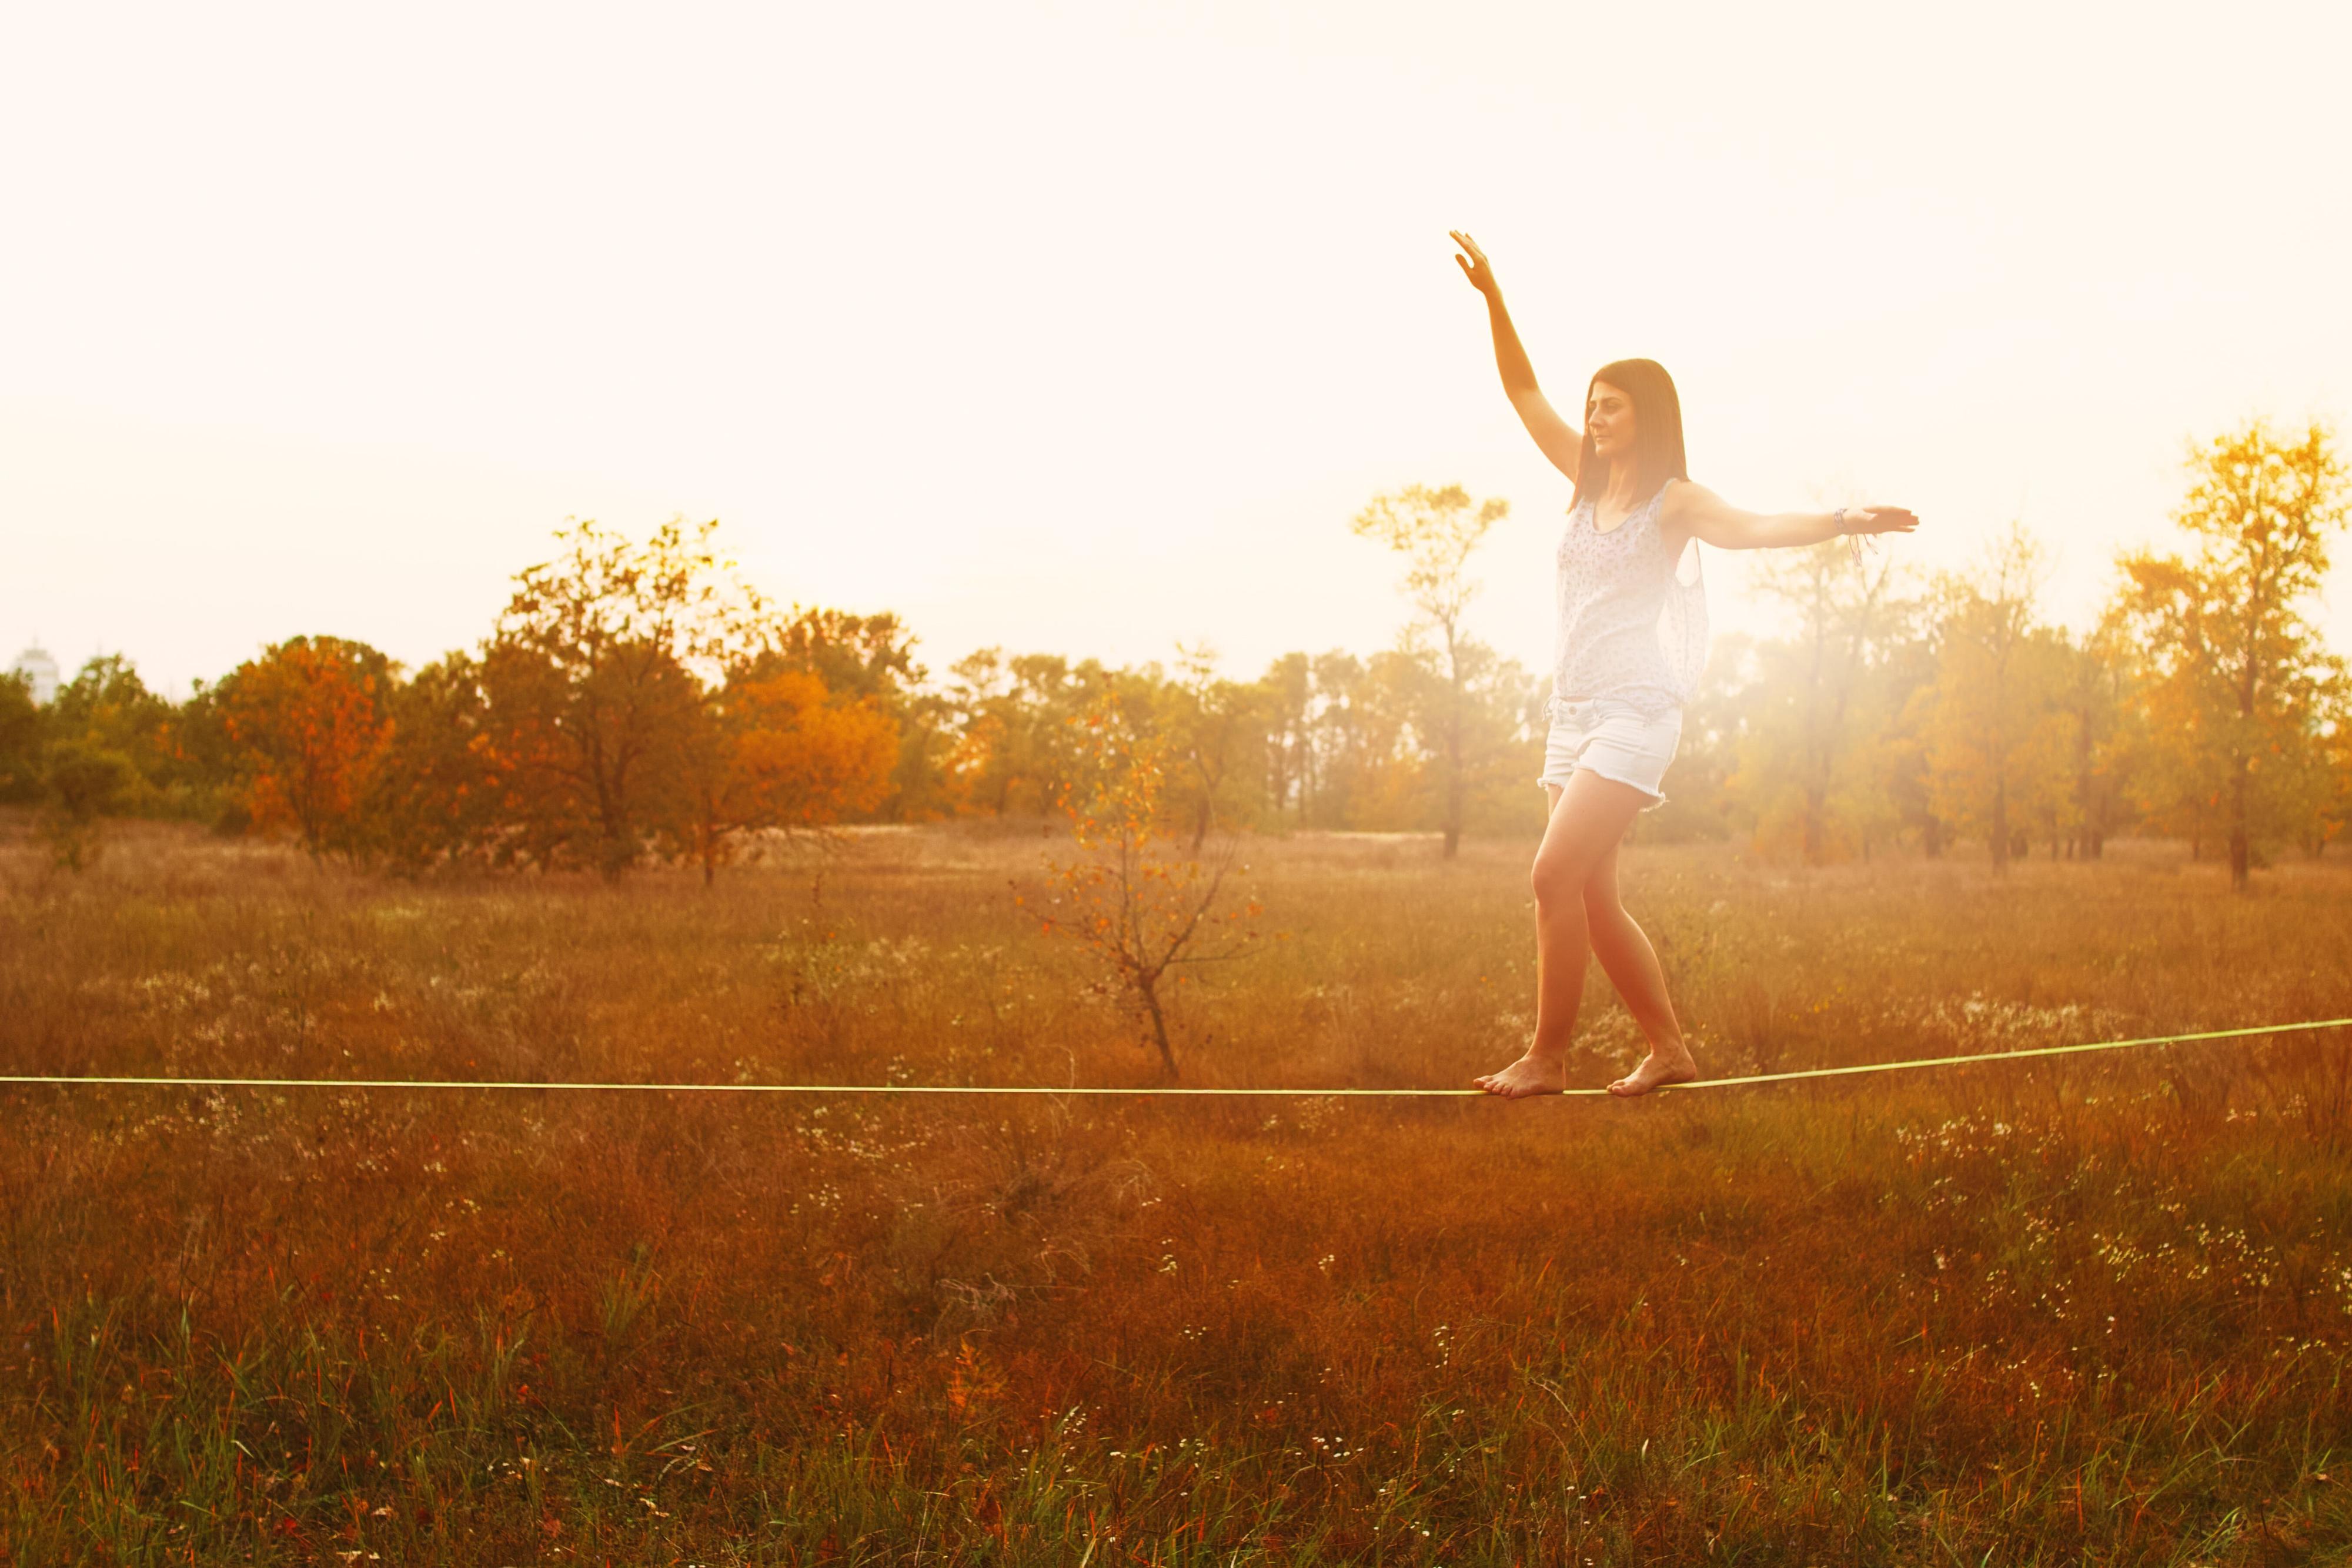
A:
1136	903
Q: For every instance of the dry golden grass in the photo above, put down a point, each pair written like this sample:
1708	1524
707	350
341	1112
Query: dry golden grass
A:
2094	1310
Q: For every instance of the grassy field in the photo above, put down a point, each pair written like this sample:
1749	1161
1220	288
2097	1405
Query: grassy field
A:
2095	1310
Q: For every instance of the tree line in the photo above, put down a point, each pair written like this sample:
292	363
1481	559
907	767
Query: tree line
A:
2201	704
636	701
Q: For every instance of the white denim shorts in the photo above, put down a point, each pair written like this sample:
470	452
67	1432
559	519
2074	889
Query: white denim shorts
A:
1615	738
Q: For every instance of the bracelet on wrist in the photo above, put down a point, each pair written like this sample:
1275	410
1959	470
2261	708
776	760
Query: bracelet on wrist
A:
1853	541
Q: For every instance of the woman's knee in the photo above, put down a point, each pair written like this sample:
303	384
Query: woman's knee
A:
1557	879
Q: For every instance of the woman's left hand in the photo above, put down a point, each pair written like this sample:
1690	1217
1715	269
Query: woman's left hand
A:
1880	520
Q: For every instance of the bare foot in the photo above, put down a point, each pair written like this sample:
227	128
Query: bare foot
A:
1530	1074
1657	1069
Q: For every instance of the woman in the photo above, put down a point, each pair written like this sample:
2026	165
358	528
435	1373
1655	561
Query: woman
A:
1632	638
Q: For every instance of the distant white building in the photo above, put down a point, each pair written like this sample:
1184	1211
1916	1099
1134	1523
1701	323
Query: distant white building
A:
41	671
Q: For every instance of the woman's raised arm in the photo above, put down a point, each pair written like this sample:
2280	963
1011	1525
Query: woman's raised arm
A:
1560	440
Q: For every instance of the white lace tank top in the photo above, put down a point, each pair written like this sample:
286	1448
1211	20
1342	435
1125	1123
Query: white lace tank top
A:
1633	623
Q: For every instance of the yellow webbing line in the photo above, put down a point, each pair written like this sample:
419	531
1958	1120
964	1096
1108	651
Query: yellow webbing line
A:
486	1084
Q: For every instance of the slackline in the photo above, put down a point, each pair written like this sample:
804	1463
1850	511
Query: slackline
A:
1163	1092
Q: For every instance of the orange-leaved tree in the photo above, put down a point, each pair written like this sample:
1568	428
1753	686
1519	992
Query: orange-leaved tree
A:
778	751
310	721
872	658
1141	909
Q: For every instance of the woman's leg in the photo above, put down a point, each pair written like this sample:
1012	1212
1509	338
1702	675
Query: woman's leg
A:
1632	966
1587	818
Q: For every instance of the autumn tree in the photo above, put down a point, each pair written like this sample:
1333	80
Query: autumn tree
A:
1216	730
1382	771
1326	735
1346	754
871	659
592	702
2094	696
1286	701
2237	671
207	768
310	724
83	782
2314	796
1436	532
1815	709
107	708
2333	785
1996	741
1893	754
439	795
20	739
1014	751
777	751
981	766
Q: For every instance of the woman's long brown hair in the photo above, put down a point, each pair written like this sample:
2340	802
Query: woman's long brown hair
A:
1657	430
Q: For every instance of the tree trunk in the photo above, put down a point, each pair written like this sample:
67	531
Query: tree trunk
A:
2084	804
1454	749
2000	825
613	857
1453	807
2238	855
1148	991
2239	849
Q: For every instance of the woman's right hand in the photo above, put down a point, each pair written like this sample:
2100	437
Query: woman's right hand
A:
1475	265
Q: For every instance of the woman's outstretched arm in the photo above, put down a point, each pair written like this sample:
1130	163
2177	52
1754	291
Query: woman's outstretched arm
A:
1559	439
1694	511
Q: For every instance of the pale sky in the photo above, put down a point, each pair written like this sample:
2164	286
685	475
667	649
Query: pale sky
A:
1087	328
